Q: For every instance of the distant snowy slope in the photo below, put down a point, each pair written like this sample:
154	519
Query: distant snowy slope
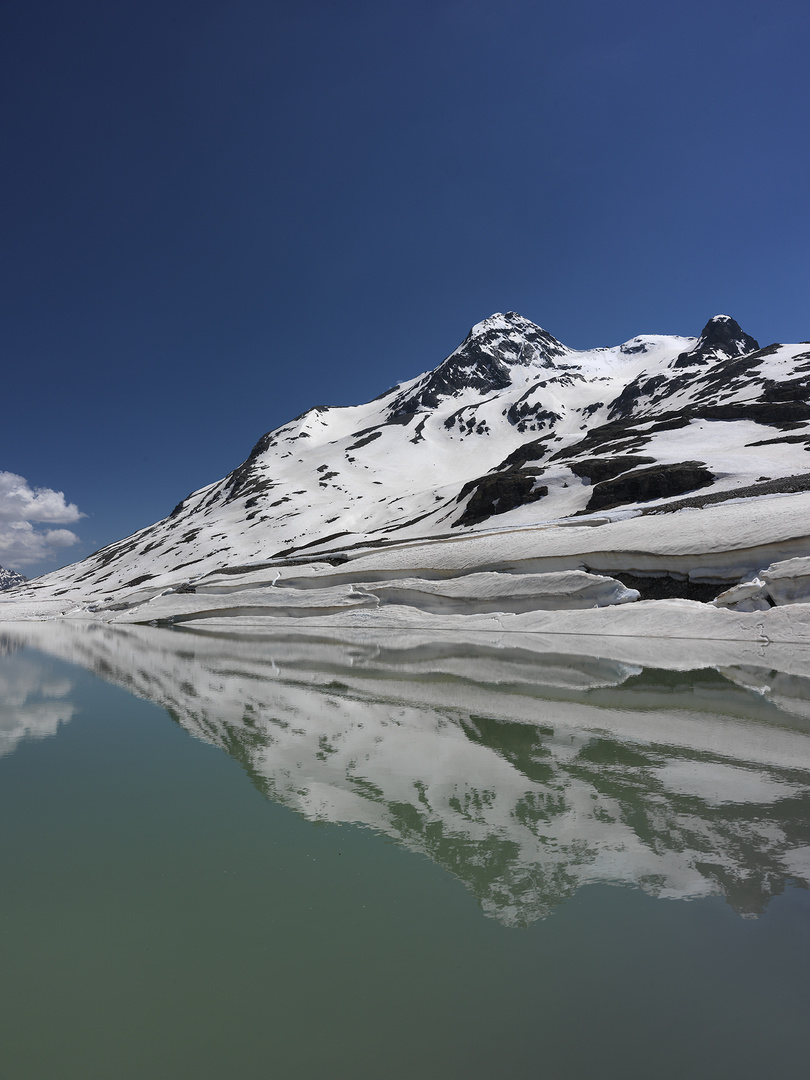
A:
512	429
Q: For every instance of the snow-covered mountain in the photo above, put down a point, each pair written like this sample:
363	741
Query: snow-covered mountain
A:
10	578
512	430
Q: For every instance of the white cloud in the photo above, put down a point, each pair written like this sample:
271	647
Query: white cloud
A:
20	502
21	508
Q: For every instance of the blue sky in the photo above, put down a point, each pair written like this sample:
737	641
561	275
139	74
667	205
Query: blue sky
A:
217	215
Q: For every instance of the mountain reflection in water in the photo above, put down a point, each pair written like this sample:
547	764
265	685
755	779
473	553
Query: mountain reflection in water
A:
525	772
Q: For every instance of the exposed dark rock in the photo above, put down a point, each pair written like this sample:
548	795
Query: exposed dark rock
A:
246	480
191	562
720	337
412	521
311	543
137	581
614	434
627	401
498	493
467	420
249	568
180	506
803	438
417	434
606	468
536	450
715	383
403	420
114	551
482	362
659	482
476	370
240	477
789	390
786	485
365	441
531	416
770	413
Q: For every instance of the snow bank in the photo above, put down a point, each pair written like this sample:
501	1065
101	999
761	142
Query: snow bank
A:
784	582
508	593
788	581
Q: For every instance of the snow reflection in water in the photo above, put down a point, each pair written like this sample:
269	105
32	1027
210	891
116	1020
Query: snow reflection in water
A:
527	773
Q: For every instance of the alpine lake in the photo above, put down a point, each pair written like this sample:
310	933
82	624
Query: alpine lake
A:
297	856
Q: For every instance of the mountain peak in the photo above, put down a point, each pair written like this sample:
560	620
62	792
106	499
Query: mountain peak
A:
720	339
500	320
512	337
723	332
483	362
9	579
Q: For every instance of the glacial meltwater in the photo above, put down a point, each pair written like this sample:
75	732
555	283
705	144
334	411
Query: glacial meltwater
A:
305	857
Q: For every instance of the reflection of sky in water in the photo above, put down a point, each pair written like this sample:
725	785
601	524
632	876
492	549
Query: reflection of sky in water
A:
32	700
525	775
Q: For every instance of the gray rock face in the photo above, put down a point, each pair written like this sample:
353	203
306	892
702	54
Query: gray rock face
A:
643	485
499	493
720	337
483	362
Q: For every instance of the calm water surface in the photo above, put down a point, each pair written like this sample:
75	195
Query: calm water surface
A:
302	860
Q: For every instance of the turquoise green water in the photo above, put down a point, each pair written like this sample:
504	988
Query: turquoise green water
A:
160	916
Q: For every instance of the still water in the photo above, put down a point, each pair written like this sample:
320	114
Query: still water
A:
303	858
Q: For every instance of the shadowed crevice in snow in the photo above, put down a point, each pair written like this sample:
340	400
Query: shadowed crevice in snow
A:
668	587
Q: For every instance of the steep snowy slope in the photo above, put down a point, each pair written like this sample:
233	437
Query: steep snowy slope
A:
513	429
